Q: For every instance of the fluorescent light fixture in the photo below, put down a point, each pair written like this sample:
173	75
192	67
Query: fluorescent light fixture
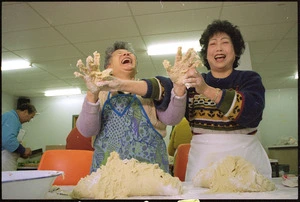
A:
171	48
15	64
72	91
296	75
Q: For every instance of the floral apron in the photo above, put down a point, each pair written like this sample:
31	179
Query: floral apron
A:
126	129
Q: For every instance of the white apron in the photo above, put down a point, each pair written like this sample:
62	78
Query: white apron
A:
9	160
207	148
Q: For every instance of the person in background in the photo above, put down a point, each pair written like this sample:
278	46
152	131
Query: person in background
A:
181	134
12	122
76	141
127	122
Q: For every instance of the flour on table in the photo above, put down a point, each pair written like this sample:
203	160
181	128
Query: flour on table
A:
232	174
124	178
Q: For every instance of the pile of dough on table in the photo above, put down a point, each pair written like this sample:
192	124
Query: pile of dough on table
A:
232	174
124	178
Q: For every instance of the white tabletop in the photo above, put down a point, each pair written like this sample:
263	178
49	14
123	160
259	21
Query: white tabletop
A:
190	192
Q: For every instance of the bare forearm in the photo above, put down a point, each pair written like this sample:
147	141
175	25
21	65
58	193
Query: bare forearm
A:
135	87
91	97
179	90
214	94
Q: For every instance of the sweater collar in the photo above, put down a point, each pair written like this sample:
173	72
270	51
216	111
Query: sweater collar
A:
219	81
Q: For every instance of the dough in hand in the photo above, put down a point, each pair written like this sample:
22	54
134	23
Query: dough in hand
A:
92	70
232	174
123	178
105	75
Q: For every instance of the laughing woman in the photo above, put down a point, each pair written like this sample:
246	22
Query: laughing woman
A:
128	123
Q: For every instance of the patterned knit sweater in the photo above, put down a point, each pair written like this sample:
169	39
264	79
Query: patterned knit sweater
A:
240	108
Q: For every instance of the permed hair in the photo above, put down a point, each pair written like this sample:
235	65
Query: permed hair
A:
219	26
26	106
116	46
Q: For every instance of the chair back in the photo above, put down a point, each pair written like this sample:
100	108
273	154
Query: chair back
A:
180	161
75	164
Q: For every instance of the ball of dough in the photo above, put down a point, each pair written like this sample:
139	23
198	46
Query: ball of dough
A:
232	174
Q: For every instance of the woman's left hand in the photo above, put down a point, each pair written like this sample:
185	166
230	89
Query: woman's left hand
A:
182	64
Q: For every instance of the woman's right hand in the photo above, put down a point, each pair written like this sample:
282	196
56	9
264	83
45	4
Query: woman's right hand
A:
193	79
92	74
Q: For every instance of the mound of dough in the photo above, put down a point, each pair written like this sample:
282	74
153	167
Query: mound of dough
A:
232	174
123	178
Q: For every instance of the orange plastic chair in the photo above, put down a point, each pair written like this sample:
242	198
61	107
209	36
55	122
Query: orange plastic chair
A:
76	164
180	161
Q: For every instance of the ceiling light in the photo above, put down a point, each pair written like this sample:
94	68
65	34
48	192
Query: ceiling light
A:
171	48
296	75
73	91
15	64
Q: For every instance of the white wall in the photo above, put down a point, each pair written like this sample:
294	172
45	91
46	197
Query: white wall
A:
8	103
280	118
54	122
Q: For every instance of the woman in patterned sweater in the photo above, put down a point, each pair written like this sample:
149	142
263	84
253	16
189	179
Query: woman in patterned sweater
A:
224	106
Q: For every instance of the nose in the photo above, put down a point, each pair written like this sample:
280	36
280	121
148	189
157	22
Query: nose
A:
219	46
126	53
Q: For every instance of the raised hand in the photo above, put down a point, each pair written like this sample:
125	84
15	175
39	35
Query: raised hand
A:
194	79
91	73
190	60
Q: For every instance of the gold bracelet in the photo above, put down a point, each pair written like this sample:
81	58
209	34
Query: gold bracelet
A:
217	94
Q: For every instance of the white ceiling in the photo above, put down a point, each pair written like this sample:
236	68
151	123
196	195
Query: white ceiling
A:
54	35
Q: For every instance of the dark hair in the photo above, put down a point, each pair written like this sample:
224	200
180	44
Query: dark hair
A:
116	46
233	32
26	106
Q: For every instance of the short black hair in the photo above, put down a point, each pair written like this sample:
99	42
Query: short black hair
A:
27	106
116	46
218	26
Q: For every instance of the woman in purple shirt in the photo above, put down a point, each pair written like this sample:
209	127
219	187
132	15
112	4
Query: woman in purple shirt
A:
122	119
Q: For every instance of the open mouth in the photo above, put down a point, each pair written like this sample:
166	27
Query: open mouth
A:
126	61
220	57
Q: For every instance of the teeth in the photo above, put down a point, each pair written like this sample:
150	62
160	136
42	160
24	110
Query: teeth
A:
126	59
219	56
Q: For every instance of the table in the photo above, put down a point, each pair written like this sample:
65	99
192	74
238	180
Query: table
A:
285	154
190	192
27	168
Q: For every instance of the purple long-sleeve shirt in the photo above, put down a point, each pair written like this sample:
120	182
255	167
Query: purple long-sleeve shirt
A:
89	120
